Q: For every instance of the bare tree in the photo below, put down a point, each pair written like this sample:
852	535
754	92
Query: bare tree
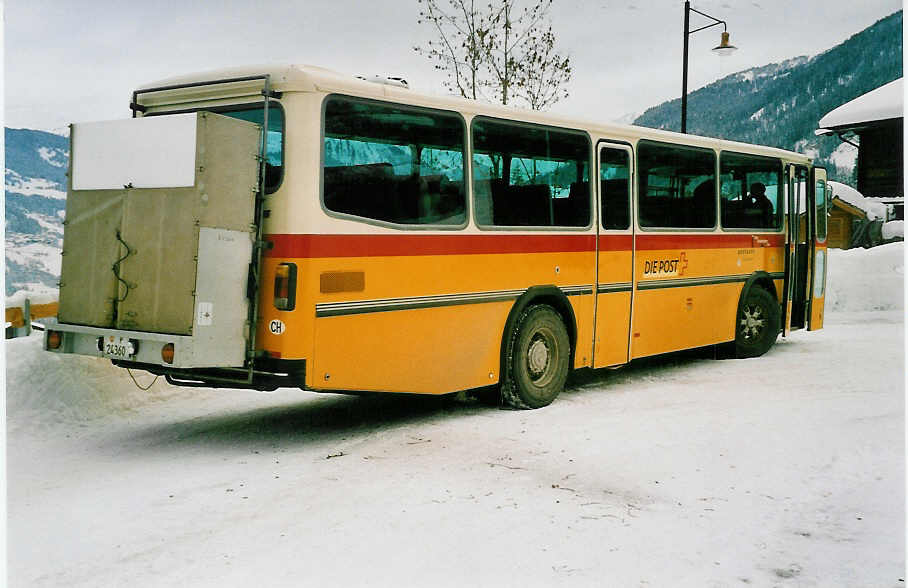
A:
459	49
500	47
544	74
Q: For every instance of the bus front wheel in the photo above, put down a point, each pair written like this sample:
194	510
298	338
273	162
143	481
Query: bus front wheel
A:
537	359
757	323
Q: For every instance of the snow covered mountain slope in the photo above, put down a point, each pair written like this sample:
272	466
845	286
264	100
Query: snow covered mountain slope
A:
35	186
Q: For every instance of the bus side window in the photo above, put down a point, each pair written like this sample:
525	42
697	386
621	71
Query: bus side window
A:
530	176
750	191
614	181
393	163
677	186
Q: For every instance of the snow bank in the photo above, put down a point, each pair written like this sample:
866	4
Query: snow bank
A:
866	279
873	210
48	389
36	294
894	229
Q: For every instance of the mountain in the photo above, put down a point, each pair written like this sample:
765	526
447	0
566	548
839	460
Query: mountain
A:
35	186
780	104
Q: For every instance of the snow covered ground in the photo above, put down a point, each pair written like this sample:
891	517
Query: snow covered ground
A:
786	470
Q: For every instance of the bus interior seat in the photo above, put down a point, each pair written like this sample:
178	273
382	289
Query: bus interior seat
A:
656	211
697	211
574	210
374	191
346	185
740	214
439	197
524	206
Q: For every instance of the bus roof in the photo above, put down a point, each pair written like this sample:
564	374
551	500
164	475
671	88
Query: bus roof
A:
309	78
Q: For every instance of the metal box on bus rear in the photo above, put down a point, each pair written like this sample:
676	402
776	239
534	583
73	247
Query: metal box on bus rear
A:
159	220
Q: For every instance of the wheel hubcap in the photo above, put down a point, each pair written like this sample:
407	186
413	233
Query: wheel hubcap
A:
537	357
752	322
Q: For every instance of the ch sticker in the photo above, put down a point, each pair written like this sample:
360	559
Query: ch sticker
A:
277	327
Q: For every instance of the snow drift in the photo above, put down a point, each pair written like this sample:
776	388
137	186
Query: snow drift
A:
51	389
894	230
866	279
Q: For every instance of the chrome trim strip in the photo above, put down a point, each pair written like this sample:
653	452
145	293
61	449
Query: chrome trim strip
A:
326	309
686	282
614	287
576	290
388	304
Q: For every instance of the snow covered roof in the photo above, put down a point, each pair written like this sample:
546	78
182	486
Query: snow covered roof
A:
884	103
873	210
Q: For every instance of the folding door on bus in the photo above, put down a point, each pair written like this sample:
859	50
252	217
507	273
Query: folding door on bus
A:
818	249
799	241
615	255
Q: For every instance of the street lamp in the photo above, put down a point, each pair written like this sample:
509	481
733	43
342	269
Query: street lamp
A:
722	49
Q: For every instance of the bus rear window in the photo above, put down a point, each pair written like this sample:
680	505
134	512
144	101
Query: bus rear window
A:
274	160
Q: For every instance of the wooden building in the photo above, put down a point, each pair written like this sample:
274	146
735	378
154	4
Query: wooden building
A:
854	221
875	121
842	219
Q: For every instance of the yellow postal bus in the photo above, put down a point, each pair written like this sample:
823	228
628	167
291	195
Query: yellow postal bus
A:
401	242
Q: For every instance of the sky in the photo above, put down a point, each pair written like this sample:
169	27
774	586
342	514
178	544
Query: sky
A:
79	61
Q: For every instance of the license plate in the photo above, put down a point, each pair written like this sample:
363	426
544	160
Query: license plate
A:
117	347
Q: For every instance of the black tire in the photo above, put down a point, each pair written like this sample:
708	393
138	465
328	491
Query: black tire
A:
757	323
538	353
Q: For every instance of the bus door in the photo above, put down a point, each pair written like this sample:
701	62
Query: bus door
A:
615	254
797	266
817	205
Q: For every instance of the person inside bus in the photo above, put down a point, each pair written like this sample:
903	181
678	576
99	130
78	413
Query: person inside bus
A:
759	201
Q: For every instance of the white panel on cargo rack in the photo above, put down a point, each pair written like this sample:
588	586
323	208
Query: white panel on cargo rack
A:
147	152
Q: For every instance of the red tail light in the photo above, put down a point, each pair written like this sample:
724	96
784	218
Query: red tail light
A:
285	286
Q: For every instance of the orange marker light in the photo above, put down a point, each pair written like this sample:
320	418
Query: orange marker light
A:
167	353
54	339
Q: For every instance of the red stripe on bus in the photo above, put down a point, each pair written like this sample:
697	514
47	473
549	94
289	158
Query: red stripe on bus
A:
711	241
615	242
307	246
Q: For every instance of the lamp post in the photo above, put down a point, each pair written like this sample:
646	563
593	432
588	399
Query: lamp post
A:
723	49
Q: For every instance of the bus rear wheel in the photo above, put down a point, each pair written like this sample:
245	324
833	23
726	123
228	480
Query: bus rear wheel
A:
537	359
757	323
